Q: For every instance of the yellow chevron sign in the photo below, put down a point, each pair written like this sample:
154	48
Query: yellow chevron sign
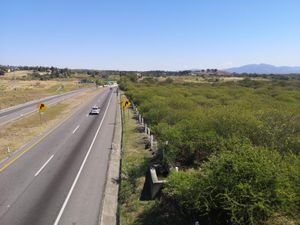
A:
126	104
42	106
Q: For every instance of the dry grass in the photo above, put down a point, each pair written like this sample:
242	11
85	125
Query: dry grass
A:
17	74
282	220
14	92
17	133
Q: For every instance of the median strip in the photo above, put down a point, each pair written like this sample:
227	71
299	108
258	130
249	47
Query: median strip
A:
14	135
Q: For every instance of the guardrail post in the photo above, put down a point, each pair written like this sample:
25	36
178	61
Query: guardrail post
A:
8	151
151	141
154	148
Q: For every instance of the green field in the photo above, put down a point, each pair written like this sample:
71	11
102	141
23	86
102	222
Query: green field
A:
237	146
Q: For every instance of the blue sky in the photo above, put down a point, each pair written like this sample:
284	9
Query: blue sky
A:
149	34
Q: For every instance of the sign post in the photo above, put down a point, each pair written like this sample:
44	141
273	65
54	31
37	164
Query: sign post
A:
42	106
126	104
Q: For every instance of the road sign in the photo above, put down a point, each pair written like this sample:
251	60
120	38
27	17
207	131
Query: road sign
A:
126	104
42	106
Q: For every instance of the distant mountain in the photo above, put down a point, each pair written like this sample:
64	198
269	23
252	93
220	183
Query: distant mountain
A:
264	69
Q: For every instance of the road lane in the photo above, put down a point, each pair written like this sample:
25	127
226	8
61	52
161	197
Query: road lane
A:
57	221
16	112
29	199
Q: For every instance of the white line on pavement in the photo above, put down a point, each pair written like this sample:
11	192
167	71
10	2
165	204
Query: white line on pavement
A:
75	129
81	167
37	173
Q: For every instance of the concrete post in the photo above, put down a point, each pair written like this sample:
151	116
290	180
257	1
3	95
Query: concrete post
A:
154	148
8	151
146	128
148	132
151	142
140	118
142	121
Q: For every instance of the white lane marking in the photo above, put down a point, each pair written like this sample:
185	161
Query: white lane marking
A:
80	169
24	114
75	129
37	173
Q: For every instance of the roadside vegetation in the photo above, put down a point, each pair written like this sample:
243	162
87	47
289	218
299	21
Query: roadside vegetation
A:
135	161
236	144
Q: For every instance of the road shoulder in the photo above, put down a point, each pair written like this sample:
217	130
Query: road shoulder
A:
109	211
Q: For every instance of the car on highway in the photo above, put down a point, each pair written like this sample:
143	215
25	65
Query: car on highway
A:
95	110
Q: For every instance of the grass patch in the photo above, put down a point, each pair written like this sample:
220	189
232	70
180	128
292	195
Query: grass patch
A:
17	74
134	165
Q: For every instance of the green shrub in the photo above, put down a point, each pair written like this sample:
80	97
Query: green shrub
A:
244	186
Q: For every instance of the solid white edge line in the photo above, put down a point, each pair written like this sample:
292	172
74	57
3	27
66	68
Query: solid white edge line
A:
75	129
37	173
81	167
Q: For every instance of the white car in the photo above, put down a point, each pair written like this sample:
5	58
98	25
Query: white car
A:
95	110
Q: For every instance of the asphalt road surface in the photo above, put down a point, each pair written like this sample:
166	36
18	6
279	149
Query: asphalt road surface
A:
16	112
61	179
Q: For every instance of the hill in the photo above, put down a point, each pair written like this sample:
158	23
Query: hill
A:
264	69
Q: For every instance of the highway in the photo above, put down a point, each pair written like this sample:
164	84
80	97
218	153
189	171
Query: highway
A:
16	112
61	179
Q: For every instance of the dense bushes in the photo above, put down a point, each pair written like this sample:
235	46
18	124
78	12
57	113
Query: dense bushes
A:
238	144
243	186
197	120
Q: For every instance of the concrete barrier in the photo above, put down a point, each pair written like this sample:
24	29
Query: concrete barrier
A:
156	185
152	186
